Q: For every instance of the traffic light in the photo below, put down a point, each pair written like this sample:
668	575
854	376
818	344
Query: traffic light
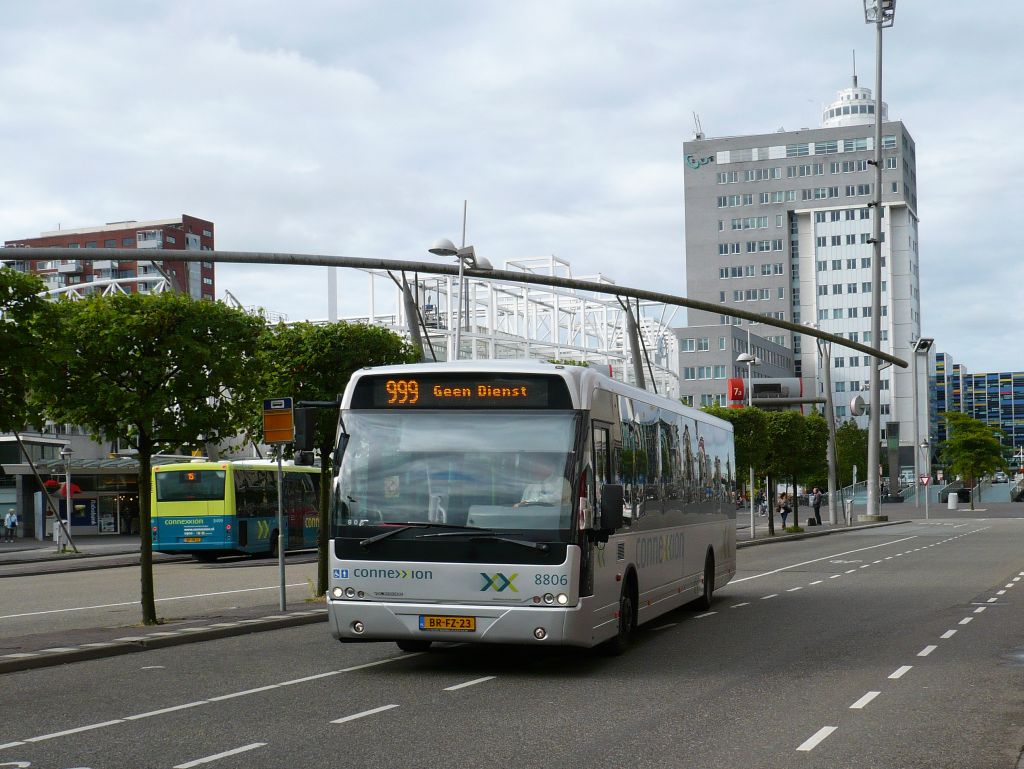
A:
305	429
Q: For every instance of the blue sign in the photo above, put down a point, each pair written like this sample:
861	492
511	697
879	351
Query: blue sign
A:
84	512
277	404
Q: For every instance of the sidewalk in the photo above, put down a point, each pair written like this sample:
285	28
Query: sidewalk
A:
26	550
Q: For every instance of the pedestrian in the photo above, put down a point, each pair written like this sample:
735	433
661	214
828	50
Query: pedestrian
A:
10	526
784	508
816	504
761	502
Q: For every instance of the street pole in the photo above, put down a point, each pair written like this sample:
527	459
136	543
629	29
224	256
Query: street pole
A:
825	352
68	502
280	528
750	404
917	429
925	447
874	382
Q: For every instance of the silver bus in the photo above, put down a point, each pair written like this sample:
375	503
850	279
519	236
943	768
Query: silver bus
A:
522	502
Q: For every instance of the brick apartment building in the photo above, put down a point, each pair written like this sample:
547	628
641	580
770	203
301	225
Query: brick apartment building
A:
184	233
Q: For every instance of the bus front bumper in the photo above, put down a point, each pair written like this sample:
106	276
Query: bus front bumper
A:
373	621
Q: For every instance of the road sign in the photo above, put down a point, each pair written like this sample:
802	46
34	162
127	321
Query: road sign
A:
278	421
925	480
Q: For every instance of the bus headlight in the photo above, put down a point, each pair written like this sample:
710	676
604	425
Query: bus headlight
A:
562	599
338	593
350	592
548	598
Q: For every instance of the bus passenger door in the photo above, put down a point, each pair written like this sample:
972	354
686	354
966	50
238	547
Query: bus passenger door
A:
606	558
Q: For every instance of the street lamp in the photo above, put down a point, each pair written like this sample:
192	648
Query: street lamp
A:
922	345
751	361
65	454
881	13
467	258
825	361
926	449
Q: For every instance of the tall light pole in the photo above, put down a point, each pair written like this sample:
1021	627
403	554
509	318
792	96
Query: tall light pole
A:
922	345
881	13
467	258
65	454
751	361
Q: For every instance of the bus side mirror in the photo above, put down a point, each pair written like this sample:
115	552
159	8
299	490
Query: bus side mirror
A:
611	506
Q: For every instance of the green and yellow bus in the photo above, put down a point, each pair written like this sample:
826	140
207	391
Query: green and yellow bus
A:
210	509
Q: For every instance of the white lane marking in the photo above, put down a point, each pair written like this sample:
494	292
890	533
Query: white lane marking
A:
765	597
992	600
849	571
165	710
878	561
474	682
999	592
965	620
136	603
926	651
900	671
955	527
666	627
859	704
365	713
888	557
812	742
1008	585
794	589
11	745
864	566
75	730
738	605
948	634
817	582
231	696
835	576
225	754
816	560
706	614
980	609
378	662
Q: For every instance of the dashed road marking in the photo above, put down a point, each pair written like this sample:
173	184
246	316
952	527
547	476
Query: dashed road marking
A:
463	685
225	754
815	739
859	704
926	651
364	714
738	605
766	597
948	634
901	671
965	620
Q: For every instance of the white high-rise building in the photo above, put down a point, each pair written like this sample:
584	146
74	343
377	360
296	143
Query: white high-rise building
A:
780	224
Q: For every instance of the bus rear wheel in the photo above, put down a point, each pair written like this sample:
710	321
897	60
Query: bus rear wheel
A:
704	602
411	645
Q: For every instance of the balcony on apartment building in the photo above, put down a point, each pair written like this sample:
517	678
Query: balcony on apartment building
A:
69	267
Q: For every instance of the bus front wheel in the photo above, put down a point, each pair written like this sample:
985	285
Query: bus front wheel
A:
411	645
627	619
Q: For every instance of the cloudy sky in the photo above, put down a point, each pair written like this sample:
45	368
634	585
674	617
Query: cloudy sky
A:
359	127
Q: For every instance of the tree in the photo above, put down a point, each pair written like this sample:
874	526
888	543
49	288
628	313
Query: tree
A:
786	442
972	448
157	371
813	460
851	450
314	363
25	333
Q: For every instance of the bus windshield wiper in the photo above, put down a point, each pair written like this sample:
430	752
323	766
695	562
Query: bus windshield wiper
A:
417	525
522	542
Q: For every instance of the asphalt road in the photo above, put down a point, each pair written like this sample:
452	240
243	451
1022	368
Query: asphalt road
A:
893	647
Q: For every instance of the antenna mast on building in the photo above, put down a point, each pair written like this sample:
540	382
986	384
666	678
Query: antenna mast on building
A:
698	131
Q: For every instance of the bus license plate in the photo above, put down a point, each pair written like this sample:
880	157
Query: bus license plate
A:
193	539
441	622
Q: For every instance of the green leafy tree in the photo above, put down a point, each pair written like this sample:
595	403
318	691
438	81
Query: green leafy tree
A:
813	465
157	371
314	363
26	333
972	449
851	451
786	442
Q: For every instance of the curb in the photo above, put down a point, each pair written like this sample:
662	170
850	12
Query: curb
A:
810	534
11	663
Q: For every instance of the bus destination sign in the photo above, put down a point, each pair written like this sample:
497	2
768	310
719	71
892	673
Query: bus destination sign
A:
461	391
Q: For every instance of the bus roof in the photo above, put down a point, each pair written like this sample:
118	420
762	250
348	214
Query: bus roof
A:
582	381
240	464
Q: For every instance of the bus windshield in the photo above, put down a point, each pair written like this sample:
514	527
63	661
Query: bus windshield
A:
189	485
495	470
